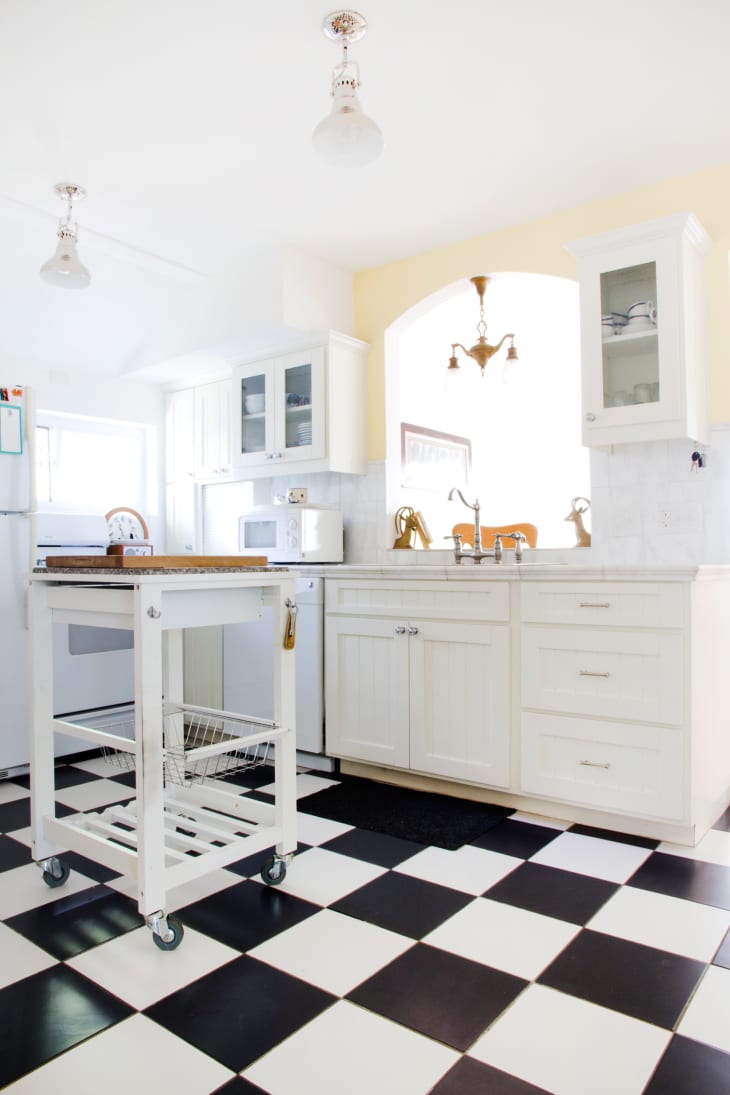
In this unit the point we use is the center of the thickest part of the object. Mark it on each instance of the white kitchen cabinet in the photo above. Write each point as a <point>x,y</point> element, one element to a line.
<point>417,680</point>
<point>304,410</point>
<point>181,518</point>
<point>645,379</point>
<point>212,431</point>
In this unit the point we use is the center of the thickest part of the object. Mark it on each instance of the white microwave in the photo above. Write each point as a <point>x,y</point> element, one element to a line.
<point>292,533</point>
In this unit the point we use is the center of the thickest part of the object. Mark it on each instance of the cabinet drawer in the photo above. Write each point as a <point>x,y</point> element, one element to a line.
<point>451,600</point>
<point>611,674</point>
<point>613,604</point>
<point>607,766</point>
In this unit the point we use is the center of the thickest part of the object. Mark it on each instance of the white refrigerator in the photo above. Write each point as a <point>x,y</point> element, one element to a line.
<point>16,504</point>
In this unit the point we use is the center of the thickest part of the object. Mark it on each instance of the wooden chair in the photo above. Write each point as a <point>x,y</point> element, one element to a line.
<point>489,531</point>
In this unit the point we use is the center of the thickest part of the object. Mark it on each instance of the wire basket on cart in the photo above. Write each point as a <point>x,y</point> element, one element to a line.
<point>199,743</point>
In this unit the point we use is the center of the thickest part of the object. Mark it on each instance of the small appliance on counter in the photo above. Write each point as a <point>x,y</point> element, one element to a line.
<point>293,533</point>
<point>128,532</point>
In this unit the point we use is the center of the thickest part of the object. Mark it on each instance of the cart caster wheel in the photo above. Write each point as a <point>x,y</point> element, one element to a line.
<point>173,925</point>
<point>58,873</point>
<point>273,871</point>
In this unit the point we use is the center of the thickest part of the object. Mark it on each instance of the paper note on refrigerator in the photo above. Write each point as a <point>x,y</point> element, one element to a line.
<point>11,433</point>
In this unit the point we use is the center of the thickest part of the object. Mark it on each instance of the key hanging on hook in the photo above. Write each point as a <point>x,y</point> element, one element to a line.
<point>290,634</point>
<point>698,460</point>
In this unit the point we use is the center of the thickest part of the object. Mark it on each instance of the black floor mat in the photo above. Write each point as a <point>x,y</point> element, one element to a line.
<point>420,816</point>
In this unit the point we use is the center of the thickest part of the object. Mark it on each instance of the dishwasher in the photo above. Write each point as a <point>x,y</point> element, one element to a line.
<point>247,670</point>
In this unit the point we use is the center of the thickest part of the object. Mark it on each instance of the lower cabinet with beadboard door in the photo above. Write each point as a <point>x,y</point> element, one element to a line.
<point>418,676</point>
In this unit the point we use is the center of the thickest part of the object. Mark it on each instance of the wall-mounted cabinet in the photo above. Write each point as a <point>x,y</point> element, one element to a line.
<point>643,342</point>
<point>212,431</point>
<point>303,410</point>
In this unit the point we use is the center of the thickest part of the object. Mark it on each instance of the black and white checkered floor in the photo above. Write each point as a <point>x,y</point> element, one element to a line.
<point>544,957</point>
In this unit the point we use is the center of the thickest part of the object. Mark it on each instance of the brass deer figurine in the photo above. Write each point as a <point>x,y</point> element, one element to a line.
<point>582,538</point>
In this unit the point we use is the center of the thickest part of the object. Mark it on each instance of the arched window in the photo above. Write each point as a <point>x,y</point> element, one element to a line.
<point>523,421</point>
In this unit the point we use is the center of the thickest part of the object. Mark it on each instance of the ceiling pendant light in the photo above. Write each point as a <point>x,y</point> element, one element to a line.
<point>346,137</point>
<point>481,351</point>
<point>65,269</point>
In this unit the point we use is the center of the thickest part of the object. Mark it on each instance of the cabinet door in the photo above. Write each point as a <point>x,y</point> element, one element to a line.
<point>300,406</point>
<point>460,701</point>
<point>642,332</point>
<point>253,414</point>
<point>212,431</point>
<point>180,517</point>
<point>179,433</point>
<point>366,673</point>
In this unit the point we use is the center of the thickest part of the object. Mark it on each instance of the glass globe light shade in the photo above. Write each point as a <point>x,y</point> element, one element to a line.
<point>347,137</point>
<point>65,269</point>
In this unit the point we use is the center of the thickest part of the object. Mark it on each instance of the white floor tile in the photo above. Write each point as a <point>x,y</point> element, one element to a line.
<point>323,877</point>
<point>714,847</point>
<point>178,896</point>
<point>307,784</point>
<point>669,923</point>
<point>318,830</point>
<point>507,938</point>
<point>332,951</point>
<point>607,859</point>
<point>19,957</point>
<point>571,1047</point>
<point>538,819</point>
<point>93,795</point>
<point>99,766</point>
<point>10,792</point>
<point>23,888</point>
<point>136,1055</point>
<point>707,1017</point>
<point>347,1048</point>
<point>471,870</point>
<point>134,969</point>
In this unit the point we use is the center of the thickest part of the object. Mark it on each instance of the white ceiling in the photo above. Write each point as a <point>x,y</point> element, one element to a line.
<point>189,125</point>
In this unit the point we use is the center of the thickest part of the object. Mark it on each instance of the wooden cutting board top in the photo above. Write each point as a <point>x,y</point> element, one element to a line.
<point>155,562</point>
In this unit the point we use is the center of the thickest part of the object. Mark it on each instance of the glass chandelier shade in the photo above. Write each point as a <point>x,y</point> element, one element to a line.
<point>346,137</point>
<point>64,269</point>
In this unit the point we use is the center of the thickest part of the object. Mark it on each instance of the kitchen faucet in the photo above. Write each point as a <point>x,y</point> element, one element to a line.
<point>477,553</point>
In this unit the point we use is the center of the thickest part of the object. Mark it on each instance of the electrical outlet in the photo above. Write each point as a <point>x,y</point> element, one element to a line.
<point>679,517</point>
<point>296,494</point>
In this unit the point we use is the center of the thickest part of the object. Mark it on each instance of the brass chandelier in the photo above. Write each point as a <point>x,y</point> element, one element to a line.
<point>481,351</point>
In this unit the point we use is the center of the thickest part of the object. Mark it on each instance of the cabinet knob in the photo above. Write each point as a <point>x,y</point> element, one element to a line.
<point>590,417</point>
<point>269,456</point>
<point>400,629</point>
<point>412,630</point>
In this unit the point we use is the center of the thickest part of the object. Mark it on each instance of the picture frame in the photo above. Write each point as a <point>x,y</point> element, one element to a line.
<point>431,460</point>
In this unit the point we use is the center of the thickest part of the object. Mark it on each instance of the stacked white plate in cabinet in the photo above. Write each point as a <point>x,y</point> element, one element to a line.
<point>304,433</point>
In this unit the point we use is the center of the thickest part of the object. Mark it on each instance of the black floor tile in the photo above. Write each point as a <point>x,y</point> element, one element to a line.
<point>517,838</point>
<point>252,864</point>
<point>16,815</point>
<point>75,923</point>
<point>47,1013</point>
<point>13,854</point>
<point>676,876</point>
<point>722,958</point>
<point>470,1077</point>
<point>564,895</point>
<point>244,915</point>
<point>441,995</point>
<point>403,904</point>
<point>645,982</point>
<point>65,775</point>
<point>239,1086</point>
<point>128,778</point>
<point>617,838</point>
<point>240,1011</point>
<point>88,867</point>
<point>251,777</point>
<point>385,851</point>
<point>690,1068</point>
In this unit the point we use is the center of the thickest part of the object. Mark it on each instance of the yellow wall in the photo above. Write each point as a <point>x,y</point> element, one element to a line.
<point>384,293</point>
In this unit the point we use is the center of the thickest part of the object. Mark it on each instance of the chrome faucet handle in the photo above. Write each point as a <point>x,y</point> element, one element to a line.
<point>519,538</point>
<point>498,547</point>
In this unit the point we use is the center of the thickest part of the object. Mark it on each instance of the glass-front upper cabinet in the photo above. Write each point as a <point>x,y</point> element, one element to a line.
<point>280,403</point>
<point>643,332</point>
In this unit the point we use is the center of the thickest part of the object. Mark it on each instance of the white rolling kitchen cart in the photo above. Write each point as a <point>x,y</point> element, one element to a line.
<point>183,821</point>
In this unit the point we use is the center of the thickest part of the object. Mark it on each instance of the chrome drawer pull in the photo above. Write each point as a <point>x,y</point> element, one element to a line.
<point>591,673</point>
<point>594,764</point>
<point>594,604</point>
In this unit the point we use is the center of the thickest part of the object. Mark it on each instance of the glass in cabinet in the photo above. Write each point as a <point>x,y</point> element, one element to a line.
<point>643,332</point>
